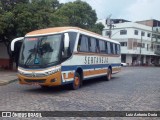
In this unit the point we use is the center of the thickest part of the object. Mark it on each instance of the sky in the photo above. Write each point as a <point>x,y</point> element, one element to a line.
<point>133,10</point>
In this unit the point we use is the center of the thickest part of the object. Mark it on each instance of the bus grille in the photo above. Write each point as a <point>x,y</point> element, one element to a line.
<point>34,75</point>
<point>34,81</point>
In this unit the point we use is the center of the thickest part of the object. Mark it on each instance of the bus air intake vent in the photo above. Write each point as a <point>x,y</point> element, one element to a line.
<point>34,81</point>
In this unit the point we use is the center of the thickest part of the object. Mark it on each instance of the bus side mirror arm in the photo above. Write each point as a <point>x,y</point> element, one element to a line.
<point>14,41</point>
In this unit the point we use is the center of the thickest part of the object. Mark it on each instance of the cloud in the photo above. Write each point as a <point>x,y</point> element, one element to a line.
<point>134,10</point>
<point>143,10</point>
<point>105,7</point>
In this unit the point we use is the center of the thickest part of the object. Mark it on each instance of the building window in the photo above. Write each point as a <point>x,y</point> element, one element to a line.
<point>158,47</point>
<point>149,35</point>
<point>147,47</point>
<point>154,36</point>
<point>123,43</point>
<point>139,45</point>
<point>123,32</point>
<point>142,33</point>
<point>136,32</point>
<point>134,44</point>
<point>142,45</point>
<point>108,33</point>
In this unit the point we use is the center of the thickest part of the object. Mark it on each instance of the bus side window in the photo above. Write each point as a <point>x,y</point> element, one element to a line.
<point>93,44</point>
<point>72,36</point>
<point>83,44</point>
<point>102,46</point>
<point>118,49</point>
<point>79,43</point>
<point>114,48</point>
<point>109,47</point>
<point>106,47</point>
<point>97,46</point>
<point>89,44</point>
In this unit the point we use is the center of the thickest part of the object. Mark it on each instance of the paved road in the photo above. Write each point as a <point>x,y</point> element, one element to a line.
<point>135,88</point>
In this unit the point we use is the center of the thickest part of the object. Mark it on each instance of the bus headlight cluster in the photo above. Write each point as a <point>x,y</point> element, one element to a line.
<point>38,74</point>
<point>20,72</point>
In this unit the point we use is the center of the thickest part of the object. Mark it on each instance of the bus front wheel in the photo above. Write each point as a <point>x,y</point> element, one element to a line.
<point>109,75</point>
<point>77,82</point>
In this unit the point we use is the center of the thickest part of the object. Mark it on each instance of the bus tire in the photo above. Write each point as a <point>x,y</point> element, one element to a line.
<point>76,82</point>
<point>109,74</point>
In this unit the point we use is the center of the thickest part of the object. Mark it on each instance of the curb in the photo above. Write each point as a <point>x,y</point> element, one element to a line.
<point>7,82</point>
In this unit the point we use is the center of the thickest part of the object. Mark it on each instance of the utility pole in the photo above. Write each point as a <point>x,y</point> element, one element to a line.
<point>140,52</point>
<point>109,24</point>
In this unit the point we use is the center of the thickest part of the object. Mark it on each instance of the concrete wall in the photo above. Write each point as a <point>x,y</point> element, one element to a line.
<point>4,58</point>
<point>3,51</point>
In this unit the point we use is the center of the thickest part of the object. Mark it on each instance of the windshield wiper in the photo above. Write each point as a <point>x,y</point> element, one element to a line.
<point>28,59</point>
<point>47,64</point>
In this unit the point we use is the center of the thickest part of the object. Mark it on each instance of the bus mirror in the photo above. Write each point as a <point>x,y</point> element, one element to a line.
<point>66,44</point>
<point>14,42</point>
<point>66,40</point>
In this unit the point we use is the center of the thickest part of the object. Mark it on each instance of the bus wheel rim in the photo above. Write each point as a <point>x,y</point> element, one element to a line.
<point>76,82</point>
<point>109,75</point>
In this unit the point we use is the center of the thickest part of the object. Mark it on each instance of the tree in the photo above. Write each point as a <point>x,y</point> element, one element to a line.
<point>78,14</point>
<point>35,15</point>
<point>17,17</point>
<point>97,28</point>
<point>8,5</point>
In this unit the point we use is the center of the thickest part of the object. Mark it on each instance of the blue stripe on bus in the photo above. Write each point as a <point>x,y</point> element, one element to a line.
<point>74,67</point>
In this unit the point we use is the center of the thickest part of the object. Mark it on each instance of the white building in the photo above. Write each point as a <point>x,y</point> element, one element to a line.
<point>140,41</point>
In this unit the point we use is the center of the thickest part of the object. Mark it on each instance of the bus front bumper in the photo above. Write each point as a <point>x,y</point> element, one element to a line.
<point>50,80</point>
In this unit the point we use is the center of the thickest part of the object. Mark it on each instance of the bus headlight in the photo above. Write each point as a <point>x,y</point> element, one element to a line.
<point>38,74</point>
<point>20,72</point>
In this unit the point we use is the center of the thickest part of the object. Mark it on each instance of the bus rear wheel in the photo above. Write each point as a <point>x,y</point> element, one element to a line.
<point>109,75</point>
<point>77,82</point>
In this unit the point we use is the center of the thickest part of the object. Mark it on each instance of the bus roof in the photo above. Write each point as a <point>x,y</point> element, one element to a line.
<point>55,30</point>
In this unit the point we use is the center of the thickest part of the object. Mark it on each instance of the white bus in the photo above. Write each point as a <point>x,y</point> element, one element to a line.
<point>66,55</point>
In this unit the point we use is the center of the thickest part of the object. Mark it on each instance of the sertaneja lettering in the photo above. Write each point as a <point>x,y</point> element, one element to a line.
<point>88,60</point>
<point>95,60</point>
<point>91,60</point>
<point>85,60</point>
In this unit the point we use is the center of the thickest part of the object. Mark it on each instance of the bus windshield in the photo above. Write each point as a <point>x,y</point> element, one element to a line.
<point>40,51</point>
